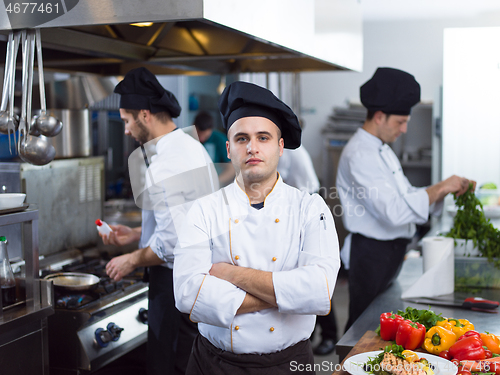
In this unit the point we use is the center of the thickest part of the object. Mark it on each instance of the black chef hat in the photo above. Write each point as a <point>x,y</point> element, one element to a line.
<point>391,91</point>
<point>141,90</point>
<point>243,99</point>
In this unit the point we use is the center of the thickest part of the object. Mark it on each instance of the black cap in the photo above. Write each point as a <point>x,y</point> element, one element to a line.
<point>141,90</point>
<point>243,99</point>
<point>391,91</point>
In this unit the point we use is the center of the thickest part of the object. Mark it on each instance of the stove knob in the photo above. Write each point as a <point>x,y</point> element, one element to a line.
<point>102,337</point>
<point>115,331</point>
<point>143,315</point>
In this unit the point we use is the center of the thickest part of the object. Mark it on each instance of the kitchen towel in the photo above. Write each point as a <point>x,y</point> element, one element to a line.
<point>439,269</point>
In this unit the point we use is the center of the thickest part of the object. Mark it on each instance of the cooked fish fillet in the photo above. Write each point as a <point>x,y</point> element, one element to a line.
<point>398,366</point>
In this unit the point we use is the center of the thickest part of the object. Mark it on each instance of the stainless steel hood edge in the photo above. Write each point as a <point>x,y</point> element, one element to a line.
<point>195,37</point>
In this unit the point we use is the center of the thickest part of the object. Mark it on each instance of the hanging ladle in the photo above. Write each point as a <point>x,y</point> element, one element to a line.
<point>34,150</point>
<point>43,124</point>
<point>4,115</point>
<point>13,118</point>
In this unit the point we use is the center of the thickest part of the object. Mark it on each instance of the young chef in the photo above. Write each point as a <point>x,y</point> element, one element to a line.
<point>257,260</point>
<point>381,208</point>
<point>147,110</point>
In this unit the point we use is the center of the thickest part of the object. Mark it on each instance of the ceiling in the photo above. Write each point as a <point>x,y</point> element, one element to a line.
<point>417,9</point>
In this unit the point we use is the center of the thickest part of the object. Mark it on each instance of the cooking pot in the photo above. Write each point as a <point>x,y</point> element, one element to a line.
<point>73,281</point>
<point>75,138</point>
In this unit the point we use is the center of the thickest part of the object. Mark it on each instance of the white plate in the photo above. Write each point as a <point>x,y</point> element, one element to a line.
<point>354,365</point>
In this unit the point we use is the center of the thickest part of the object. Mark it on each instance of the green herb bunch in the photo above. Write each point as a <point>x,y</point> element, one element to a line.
<point>471,224</point>
<point>426,317</point>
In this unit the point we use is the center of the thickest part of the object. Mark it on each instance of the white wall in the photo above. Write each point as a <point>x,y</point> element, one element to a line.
<point>470,106</point>
<point>415,46</point>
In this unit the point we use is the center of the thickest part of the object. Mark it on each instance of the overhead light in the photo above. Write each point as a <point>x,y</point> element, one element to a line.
<point>142,24</point>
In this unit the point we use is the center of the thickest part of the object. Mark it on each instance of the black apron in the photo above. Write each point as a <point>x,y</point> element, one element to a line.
<point>171,333</point>
<point>374,265</point>
<point>207,359</point>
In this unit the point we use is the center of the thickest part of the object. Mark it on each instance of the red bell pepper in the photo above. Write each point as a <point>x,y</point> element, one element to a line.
<point>389,324</point>
<point>470,334</point>
<point>468,348</point>
<point>410,335</point>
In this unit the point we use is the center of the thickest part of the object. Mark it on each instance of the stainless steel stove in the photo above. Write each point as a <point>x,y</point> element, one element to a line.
<point>92,329</point>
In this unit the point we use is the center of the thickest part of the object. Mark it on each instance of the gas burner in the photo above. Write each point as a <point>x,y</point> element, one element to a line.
<point>106,287</point>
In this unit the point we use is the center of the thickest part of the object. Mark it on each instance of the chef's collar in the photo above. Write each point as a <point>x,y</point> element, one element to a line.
<point>243,197</point>
<point>370,138</point>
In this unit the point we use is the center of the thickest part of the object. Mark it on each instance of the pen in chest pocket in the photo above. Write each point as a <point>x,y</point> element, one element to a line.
<point>323,219</point>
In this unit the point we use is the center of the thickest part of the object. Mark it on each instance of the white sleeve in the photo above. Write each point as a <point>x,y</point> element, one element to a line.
<point>206,298</point>
<point>308,289</point>
<point>381,196</point>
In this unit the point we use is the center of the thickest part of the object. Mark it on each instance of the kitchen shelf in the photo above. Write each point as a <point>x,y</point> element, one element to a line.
<point>38,298</point>
<point>23,326</point>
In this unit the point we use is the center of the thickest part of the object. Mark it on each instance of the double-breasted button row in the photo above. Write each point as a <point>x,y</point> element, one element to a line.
<point>238,327</point>
<point>274,259</point>
<point>236,221</point>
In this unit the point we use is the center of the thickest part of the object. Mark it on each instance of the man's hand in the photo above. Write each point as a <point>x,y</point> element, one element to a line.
<point>121,235</point>
<point>120,266</point>
<point>453,184</point>
<point>458,185</point>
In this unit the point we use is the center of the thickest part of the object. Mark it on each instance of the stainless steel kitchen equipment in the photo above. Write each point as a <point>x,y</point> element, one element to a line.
<point>75,138</point>
<point>73,281</point>
<point>92,328</point>
<point>23,325</point>
<point>69,194</point>
<point>198,36</point>
<point>69,203</point>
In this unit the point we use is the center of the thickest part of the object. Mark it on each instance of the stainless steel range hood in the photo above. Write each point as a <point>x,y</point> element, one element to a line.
<point>198,36</point>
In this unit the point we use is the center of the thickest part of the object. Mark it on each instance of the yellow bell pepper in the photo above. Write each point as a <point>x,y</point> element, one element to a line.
<point>438,339</point>
<point>457,326</point>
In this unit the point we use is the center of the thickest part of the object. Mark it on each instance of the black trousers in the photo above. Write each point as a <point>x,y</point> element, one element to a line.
<point>210,360</point>
<point>374,265</point>
<point>171,333</point>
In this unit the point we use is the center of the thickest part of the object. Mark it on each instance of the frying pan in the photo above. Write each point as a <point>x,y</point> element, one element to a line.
<point>73,281</point>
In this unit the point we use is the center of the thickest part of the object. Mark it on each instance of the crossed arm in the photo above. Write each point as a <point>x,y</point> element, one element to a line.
<point>258,285</point>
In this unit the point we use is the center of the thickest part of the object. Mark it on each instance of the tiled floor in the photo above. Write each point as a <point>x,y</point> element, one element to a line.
<point>325,365</point>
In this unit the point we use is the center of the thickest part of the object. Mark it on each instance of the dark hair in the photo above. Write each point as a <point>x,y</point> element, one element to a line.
<point>204,121</point>
<point>160,116</point>
<point>370,114</point>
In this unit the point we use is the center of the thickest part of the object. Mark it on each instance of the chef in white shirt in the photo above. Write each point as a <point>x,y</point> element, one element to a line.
<point>258,260</point>
<point>178,172</point>
<point>380,205</point>
<point>296,169</point>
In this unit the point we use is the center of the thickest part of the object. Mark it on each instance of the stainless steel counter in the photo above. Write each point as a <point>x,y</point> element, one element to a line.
<point>390,300</point>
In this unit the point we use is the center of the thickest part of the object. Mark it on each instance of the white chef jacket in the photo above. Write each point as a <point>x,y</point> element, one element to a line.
<point>378,200</point>
<point>296,169</point>
<point>293,236</point>
<point>180,172</point>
